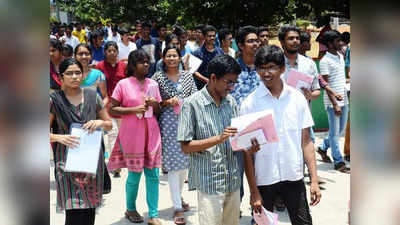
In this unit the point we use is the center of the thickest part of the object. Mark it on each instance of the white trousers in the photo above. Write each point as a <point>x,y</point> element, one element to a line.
<point>176,180</point>
<point>219,209</point>
<point>111,136</point>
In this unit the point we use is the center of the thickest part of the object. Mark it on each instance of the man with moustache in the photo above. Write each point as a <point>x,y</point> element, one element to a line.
<point>289,37</point>
<point>206,53</point>
<point>248,79</point>
<point>332,67</point>
<point>204,130</point>
<point>278,167</point>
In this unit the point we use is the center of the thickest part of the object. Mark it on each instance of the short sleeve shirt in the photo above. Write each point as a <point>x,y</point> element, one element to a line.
<point>215,170</point>
<point>206,56</point>
<point>333,66</point>
<point>123,50</point>
<point>282,160</point>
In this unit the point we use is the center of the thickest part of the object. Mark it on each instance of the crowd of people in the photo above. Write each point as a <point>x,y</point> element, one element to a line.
<point>156,114</point>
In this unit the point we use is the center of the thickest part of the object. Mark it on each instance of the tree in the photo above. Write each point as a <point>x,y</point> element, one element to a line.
<point>234,13</point>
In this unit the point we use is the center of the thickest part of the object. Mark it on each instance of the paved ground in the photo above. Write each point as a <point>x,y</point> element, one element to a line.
<point>332,209</point>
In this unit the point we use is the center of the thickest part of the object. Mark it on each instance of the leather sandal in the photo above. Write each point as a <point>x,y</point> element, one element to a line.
<point>179,218</point>
<point>134,217</point>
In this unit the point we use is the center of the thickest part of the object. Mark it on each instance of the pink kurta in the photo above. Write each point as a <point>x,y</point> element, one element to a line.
<point>129,149</point>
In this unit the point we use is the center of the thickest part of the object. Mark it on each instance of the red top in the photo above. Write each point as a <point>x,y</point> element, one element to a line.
<point>113,76</point>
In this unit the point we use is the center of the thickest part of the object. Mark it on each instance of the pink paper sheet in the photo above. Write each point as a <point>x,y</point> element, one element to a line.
<point>265,217</point>
<point>294,77</point>
<point>266,123</point>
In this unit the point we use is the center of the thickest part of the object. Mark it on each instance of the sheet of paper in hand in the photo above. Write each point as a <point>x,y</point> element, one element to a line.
<point>194,62</point>
<point>259,125</point>
<point>265,217</point>
<point>151,92</point>
<point>299,80</point>
<point>85,157</point>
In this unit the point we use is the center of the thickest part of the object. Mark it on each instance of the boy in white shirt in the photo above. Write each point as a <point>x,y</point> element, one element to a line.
<point>125,46</point>
<point>278,167</point>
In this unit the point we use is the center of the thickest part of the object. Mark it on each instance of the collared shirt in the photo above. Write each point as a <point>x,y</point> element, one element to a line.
<point>333,66</point>
<point>283,160</point>
<point>206,56</point>
<point>248,81</point>
<point>215,170</point>
<point>303,65</point>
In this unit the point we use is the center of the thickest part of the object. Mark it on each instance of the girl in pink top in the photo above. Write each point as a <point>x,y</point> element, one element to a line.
<point>138,146</point>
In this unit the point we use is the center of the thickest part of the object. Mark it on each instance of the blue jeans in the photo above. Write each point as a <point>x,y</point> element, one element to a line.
<point>336,126</point>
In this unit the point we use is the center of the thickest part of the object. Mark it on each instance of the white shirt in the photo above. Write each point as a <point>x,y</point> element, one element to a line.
<point>125,50</point>
<point>73,41</point>
<point>303,65</point>
<point>116,38</point>
<point>283,160</point>
<point>333,66</point>
<point>192,45</point>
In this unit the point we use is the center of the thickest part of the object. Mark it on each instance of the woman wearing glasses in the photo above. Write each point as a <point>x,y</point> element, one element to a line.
<point>175,85</point>
<point>79,194</point>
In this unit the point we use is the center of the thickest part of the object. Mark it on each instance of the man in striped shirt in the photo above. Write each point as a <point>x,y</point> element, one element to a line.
<point>332,69</point>
<point>204,130</point>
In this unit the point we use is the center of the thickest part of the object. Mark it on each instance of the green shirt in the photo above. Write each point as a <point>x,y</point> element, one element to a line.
<point>215,170</point>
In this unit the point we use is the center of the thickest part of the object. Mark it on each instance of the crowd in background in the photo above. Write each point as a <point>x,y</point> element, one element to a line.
<point>155,114</point>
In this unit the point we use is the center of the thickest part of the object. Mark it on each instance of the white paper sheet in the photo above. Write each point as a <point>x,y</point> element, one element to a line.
<point>194,62</point>
<point>85,157</point>
<point>244,141</point>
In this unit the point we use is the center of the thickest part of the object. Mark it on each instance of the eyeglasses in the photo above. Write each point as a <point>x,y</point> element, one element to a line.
<point>271,69</point>
<point>229,83</point>
<point>251,41</point>
<point>71,73</point>
<point>210,36</point>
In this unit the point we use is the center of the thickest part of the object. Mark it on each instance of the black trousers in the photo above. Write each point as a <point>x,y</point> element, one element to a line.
<point>80,216</point>
<point>294,196</point>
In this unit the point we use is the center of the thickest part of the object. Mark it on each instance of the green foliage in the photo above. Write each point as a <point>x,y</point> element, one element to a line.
<point>53,19</point>
<point>187,13</point>
<point>302,23</point>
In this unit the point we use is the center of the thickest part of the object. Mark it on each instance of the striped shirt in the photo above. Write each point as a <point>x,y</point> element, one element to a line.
<point>333,66</point>
<point>215,170</point>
